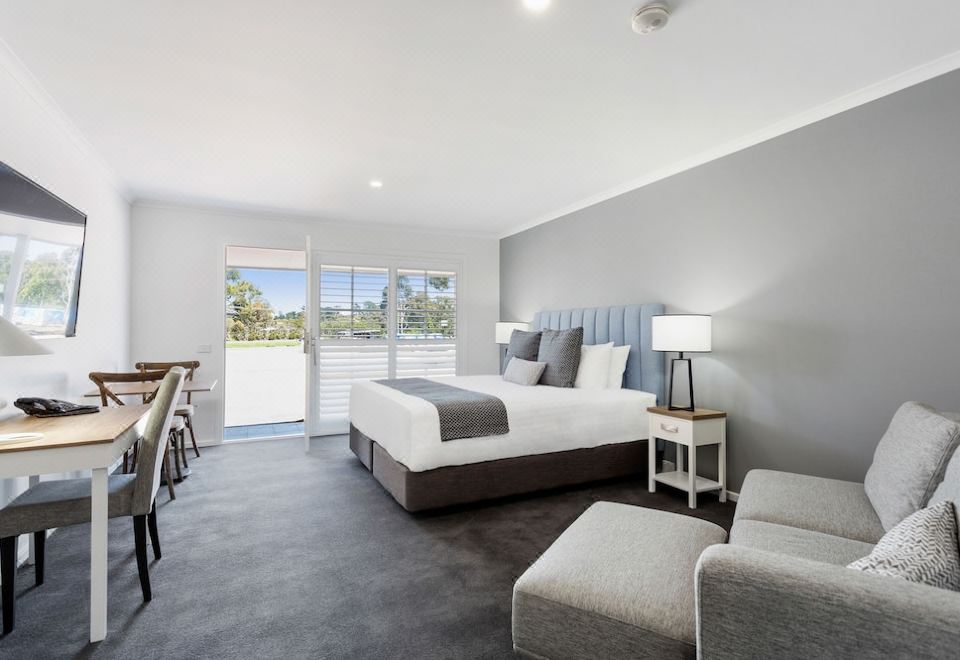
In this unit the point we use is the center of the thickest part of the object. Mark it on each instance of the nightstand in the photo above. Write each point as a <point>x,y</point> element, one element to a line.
<point>689,429</point>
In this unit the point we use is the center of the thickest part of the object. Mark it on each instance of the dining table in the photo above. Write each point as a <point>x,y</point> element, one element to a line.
<point>94,442</point>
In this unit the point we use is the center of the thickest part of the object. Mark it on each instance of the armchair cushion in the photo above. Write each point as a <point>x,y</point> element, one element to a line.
<point>910,461</point>
<point>797,542</point>
<point>829,506</point>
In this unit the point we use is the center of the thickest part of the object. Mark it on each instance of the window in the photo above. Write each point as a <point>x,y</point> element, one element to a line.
<point>381,322</point>
<point>353,302</point>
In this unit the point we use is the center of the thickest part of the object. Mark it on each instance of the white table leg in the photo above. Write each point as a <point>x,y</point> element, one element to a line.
<point>679,457</point>
<point>692,460</point>
<point>98,555</point>
<point>722,463</point>
<point>32,556</point>
<point>652,463</point>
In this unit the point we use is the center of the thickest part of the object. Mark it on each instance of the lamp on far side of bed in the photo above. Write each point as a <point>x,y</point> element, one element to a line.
<point>503,332</point>
<point>682,333</point>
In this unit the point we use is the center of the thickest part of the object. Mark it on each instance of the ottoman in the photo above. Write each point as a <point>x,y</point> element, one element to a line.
<point>618,583</point>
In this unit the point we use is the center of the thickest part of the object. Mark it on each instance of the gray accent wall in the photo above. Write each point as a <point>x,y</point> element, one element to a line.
<point>829,258</point>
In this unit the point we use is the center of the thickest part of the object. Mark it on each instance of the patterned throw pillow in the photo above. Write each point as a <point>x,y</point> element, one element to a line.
<point>560,349</point>
<point>922,548</point>
<point>524,345</point>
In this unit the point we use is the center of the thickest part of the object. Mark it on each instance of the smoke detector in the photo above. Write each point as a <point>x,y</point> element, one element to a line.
<point>650,18</point>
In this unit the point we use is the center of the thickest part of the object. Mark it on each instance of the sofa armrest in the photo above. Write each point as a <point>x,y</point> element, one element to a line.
<point>757,604</point>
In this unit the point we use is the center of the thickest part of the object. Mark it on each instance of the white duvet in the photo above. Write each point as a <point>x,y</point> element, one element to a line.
<point>542,419</point>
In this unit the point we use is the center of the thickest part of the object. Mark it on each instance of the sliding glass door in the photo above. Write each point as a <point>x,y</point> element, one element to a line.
<point>377,317</point>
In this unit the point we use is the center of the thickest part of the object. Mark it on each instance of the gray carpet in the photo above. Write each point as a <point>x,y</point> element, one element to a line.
<point>272,553</point>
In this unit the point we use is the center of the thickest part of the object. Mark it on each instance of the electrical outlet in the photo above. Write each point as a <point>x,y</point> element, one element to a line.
<point>204,348</point>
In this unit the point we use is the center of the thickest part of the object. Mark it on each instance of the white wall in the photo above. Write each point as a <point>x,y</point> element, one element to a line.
<point>35,140</point>
<point>178,283</point>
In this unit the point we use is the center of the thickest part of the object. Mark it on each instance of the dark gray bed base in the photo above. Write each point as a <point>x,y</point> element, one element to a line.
<point>460,484</point>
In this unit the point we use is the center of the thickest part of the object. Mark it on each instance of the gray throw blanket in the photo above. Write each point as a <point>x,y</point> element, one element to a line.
<point>463,413</point>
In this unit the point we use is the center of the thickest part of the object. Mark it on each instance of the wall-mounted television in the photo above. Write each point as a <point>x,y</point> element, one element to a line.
<point>41,253</point>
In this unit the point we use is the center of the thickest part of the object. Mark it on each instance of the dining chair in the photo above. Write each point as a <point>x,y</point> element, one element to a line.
<point>63,502</point>
<point>103,380</point>
<point>185,410</point>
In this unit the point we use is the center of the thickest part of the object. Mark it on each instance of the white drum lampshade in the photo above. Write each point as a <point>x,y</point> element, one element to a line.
<point>682,333</point>
<point>504,330</point>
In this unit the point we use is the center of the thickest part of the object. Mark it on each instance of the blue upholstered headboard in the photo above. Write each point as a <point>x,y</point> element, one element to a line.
<point>629,324</point>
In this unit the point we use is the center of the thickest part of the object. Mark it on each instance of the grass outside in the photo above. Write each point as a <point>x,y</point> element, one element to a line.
<point>266,343</point>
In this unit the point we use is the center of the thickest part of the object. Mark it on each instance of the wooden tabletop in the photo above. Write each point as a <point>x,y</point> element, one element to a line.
<point>73,430</point>
<point>148,387</point>
<point>699,413</point>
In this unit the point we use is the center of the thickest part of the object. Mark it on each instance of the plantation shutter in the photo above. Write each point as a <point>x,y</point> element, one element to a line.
<point>379,322</point>
<point>353,342</point>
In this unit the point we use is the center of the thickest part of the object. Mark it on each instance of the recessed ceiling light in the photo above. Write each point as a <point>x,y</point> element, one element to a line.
<point>536,5</point>
<point>376,183</point>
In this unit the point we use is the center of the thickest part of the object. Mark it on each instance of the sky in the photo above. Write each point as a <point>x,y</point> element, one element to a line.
<point>285,290</point>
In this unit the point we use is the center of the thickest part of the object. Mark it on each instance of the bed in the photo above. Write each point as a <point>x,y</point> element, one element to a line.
<point>556,437</point>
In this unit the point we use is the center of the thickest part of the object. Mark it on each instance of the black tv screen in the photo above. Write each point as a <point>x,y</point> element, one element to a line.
<point>41,253</point>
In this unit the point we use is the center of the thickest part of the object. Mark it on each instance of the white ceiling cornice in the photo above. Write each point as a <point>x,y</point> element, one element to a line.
<point>285,216</point>
<point>860,97</point>
<point>18,71</point>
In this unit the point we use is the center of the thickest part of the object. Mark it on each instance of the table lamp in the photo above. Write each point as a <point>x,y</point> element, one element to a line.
<point>682,333</point>
<point>14,342</point>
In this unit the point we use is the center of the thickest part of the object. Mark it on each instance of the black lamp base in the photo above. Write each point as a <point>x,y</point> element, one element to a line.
<point>673,363</point>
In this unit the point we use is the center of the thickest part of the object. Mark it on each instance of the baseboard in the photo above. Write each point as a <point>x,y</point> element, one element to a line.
<point>732,496</point>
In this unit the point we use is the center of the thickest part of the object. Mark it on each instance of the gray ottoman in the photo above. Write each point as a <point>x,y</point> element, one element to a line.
<point>618,583</point>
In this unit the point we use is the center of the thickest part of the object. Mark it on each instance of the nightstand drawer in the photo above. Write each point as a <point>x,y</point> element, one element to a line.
<point>671,428</point>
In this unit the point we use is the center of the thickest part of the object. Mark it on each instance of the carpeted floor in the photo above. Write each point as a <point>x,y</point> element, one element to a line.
<point>272,553</point>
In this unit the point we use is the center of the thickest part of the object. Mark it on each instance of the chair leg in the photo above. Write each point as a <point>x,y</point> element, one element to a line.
<point>183,447</point>
<point>165,469</point>
<point>188,420</point>
<point>152,528</point>
<point>126,458</point>
<point>140,540</point>
<point>136,453</point>
<point>176,455</point>
<point>39,543</point>
<point>8,572</point>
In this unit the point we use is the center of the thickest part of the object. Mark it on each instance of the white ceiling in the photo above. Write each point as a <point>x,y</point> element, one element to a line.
<point>476,114</point>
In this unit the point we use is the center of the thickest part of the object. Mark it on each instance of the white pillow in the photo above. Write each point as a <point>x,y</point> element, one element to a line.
<point>523,372</point>
<point>618,365</point>
<point>594,367</point>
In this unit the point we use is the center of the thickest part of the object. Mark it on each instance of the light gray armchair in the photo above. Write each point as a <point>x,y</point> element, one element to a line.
<point>64,502</point>
<point>757,604</point>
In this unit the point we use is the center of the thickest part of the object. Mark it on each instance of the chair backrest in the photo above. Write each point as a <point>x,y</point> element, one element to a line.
<point>154,441</point>
<point>190,365</point>
<point>103,380</point>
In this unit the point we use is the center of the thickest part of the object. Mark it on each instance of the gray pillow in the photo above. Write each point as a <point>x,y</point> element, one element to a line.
<point>560,349</point>
<point>523,372</point>
<point>524,345</point>
<point>922,548</point>
<point>910,461</point>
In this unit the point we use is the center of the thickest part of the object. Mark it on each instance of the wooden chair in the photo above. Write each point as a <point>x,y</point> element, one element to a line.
<point>103,380</point>
<point>184,410</point>
<point>64,502</point>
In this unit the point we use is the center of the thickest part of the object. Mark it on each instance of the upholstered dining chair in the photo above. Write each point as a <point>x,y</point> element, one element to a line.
<point>103,380</point>
<point>184,410</point>
<point>64,502</point>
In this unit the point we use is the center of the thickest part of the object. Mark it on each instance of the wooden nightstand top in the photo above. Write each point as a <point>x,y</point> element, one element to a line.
<point>699,413</point>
